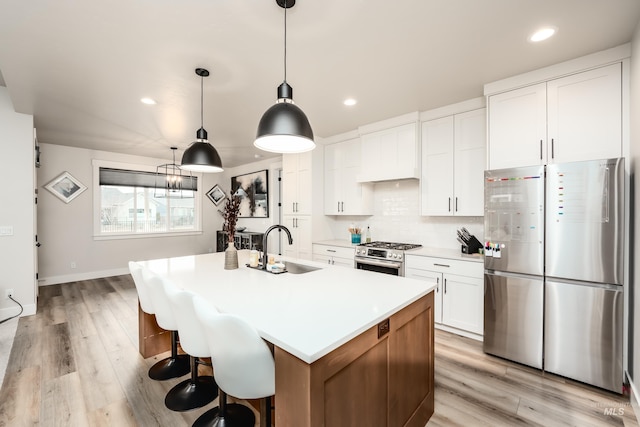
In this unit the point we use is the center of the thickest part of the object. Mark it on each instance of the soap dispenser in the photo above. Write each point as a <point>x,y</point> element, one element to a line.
<point>254,258</point>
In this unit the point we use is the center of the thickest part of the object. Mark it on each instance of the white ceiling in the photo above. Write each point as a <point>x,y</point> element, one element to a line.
<point>81,67</point>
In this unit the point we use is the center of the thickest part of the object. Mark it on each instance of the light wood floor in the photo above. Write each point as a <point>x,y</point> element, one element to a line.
<point>76,363</point>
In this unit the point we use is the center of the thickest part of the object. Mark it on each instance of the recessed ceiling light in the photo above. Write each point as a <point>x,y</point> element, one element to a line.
<point>148,101</point>
<point>542,34</point>
<point>350,101</point>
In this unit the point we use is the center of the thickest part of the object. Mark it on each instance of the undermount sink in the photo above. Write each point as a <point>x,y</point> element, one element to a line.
<point>294,268</point>
<point>291,267</point>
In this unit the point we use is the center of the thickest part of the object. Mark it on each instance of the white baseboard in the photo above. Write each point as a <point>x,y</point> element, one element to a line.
<point>28,310</point>
<point>54,280</point>
<point>457,331</point>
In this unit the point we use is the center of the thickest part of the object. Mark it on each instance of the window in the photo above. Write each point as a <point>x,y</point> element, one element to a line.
<point>134,202</point>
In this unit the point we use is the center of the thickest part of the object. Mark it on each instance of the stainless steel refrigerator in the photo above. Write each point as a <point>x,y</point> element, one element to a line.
<point>554,268</point>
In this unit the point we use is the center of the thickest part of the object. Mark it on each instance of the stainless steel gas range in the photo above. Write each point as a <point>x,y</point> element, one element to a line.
<point>382,257</point>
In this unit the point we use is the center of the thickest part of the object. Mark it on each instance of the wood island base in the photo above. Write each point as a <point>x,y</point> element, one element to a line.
<point>372,380</point>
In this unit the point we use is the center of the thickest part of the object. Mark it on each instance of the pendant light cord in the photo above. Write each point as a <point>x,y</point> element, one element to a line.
<point>285,40</point>
<point>201,102</point>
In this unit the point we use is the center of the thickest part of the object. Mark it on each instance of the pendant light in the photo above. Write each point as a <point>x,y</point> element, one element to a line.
<point>170,180</point>
<point>284,128</point>
<point>201,156</point>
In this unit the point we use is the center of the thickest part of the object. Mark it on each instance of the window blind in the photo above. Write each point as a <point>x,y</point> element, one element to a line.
<point>129,178</point>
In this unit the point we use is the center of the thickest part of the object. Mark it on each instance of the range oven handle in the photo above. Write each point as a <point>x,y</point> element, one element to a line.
<point>378,263</point>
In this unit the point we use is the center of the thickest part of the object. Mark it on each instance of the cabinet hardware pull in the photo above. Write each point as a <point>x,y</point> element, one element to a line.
<point>437,284</point>
<point>445,286</point>
<point>540,149</point>
<point>342,205</point>
<point>449,204</point>
<point>553,156</point>
<point>456,204</point>
<point>330,250</point>
<point>338,206</point>
<point>441,265</point>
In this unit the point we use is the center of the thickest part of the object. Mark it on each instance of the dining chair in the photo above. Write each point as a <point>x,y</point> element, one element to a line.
<point>175,365</point>
<point>243,367</point>
<point>196,391</point>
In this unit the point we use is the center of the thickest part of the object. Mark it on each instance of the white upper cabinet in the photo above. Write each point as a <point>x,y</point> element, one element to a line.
<point>296,183</point>
<point>343,195</point>
<point>390,153</point>
<point>437,167</point>
<point>518,127</point>
<point>453,162</point>
<point>585,115</point>
<point>572,118</point>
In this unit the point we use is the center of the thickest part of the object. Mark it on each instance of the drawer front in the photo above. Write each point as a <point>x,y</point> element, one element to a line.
<point>334,251</point>
<point>445,265</point>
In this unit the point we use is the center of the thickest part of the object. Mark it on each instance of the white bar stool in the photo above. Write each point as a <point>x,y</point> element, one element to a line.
<point>242,364</point>
<point>175,365</point>
<point>196,391</point>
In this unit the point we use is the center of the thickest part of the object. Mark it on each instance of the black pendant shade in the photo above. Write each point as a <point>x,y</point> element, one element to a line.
<point>201,156</point>
<point>284,128</point>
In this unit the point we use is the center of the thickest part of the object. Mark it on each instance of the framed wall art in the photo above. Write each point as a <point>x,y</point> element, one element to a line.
<point>65,187</point>
<point>216,195</point>
<point>253,189</point>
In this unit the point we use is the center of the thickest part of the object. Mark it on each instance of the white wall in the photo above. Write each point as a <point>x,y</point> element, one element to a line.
<point>66,230</point>
<point>396,218</point>
<point>17,209</point>
<point>634,256</point>
<point>214,221</point>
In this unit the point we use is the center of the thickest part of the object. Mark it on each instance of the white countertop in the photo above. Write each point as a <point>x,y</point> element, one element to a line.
<point>444,253</point>
<point>341,243</point>
<point>308,315</point>
<point>430,252</point>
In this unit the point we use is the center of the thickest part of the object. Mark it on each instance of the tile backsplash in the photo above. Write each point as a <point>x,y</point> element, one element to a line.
<point>396,218</point>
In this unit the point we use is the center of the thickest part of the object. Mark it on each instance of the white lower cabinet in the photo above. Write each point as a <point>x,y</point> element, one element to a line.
<point>459,290</point>
<point>300,228</point>
<point>333,255</point>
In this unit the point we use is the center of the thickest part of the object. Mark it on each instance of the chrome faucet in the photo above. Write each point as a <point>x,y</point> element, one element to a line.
<point>264,242</point>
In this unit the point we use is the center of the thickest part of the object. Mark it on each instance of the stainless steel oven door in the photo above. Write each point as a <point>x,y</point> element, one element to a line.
<point>380,266</point>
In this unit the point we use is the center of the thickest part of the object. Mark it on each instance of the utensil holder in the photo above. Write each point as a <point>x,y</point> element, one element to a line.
<point>356,238</point>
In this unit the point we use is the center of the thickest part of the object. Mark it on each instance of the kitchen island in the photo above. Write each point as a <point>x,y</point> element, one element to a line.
<point>351,347</point>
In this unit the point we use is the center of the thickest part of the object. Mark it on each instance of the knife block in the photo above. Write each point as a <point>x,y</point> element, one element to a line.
<point>472,247</point>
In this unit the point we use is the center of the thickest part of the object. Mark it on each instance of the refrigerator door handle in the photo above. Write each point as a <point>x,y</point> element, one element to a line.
<point>605,286</point>
<point>606,195</point>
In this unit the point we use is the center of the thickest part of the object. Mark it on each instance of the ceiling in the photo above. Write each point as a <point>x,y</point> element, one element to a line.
<point>81,67</point>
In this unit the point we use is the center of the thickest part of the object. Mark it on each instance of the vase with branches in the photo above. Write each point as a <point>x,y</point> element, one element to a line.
<point>230,214</point>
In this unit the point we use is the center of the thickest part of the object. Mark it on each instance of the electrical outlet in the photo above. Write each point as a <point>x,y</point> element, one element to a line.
<point>73,264</point>
<point>8,293</point>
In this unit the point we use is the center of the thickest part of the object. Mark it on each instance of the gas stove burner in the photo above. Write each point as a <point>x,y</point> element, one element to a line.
<point>391,245</point>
